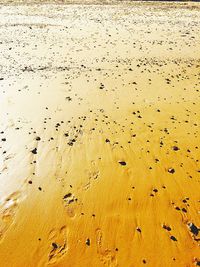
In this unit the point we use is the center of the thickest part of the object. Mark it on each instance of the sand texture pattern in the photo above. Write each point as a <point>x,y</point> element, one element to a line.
<point>99,135</point>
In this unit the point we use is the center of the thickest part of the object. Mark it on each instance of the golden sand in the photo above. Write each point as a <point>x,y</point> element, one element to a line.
<point>99,135</point>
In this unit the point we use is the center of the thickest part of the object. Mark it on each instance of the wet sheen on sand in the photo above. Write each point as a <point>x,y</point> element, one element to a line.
<point>99,135</point>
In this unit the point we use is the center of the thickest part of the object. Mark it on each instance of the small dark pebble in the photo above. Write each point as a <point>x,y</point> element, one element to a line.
<point>171,170</point>
<point>166,227</point>
<point>34,151</point>
<point>67,195</point>
<point>173,238</point>
<point>55,246</point>
<point>198,263</point>
<point>87,242</point>
<point>175,148</point>
<point>123,163</point>
<point>193,228</point>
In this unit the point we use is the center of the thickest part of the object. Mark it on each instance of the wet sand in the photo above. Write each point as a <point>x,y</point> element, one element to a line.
<point>99,135</point>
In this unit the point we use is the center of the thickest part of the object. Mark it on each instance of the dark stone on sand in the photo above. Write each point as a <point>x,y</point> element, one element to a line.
<point>198,263</point>
<point>123,163</point>
<point>166,227</point>
<point>54,245</point>
<point>67,195</point>
<point>175,148</point>
<point>87,242</point>
<point>34,151</point>
<point>193,228</point>
<point>171,170</point>
<point>173,238</point>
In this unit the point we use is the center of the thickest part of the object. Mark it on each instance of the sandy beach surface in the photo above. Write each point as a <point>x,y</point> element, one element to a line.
<point>99,134</point>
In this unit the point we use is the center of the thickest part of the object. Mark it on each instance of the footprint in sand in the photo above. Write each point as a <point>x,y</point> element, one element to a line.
<point>107,256</point>
<point>92,175</point>
<point>58,244</point>
<point>8,209</point>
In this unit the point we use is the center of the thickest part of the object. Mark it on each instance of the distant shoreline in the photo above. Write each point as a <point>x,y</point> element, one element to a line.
<point>94,2</point>
<point>167,4</point>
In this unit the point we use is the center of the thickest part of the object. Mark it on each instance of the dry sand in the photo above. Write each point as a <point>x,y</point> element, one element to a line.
<point>99,135</point>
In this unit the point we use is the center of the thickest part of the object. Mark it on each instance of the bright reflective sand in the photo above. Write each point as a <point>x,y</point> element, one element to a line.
<point>99,143</point>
